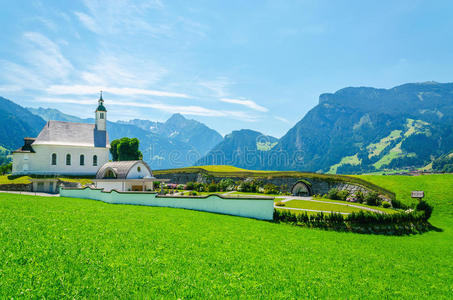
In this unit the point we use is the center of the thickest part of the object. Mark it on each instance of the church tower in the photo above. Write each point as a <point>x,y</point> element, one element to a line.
<point>101,115</point>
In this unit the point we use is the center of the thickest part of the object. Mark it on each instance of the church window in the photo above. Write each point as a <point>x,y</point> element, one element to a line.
<point>95,160</point>
<point>139,169</point>
<point>68,159</point>
<point>54,159</point>
<point>102,115</point>
<point>82,160</point>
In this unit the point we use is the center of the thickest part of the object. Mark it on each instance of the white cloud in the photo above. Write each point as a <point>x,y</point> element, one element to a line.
<point>121,16</point>
<point>248,103</point>
<point>89,89</point>
<point>88,22</point>
<point>193,110</point>
<point>281,119</point>
<point>46,56</point>
<point>218,87</point>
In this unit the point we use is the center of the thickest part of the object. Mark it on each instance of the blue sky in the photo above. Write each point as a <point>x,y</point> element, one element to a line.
<point>230,64</point>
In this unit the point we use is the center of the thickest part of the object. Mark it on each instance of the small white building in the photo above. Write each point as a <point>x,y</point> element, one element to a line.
<point>65,148</point>
<point>122,176</point>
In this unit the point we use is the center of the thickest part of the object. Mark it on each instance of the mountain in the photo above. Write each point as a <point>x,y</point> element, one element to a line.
<point>176,143</point>
<point>54,114</point>
<point>16,123</point>
<point>243,148</point>
<point>178,128</point>
<point>365,129</point>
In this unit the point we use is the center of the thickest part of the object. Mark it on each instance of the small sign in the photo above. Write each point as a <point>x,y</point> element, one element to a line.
<point>417,194</point>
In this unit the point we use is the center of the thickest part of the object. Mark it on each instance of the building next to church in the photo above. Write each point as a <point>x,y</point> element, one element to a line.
<point>123,176</point>
<point>65,148</point>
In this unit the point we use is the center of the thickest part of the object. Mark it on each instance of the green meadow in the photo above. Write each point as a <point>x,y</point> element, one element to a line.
<point>74,248</point>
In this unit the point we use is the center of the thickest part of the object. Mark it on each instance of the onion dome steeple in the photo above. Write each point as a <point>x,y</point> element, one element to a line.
<point>101,106</point>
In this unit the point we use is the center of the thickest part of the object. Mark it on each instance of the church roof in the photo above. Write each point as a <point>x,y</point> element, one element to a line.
<point>120,168</point>
<point>72,134</point>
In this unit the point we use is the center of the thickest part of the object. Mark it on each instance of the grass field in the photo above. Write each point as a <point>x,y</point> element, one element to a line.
<point>26,179</point>
<point>332,206</point>
<point>74,248</point>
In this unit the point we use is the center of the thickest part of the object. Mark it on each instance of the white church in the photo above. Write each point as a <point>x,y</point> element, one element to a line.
<point>65,148</point>
<point>79,149</point>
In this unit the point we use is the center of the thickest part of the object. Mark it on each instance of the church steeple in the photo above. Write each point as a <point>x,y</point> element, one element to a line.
<point>101,114</point>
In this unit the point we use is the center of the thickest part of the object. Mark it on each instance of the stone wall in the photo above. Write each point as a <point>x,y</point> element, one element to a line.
<point>22,187</point>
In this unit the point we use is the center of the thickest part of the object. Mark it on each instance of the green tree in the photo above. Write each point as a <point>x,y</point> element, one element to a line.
<point>125,149</point>
<point>6,168</point>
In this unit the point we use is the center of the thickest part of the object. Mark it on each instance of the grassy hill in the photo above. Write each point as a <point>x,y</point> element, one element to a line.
<point>74,248</point>
<point>231,171</point>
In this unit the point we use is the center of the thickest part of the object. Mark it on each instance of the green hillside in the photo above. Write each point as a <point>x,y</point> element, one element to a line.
<point>74,248</point>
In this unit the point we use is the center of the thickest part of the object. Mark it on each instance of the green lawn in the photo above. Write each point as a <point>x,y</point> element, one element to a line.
<point>74,248</point>
<point>321,206</point>
<point>5,180</point>
<point>26,179</point>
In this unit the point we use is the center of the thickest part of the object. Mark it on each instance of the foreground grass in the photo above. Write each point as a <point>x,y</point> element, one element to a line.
<point>74,248</point>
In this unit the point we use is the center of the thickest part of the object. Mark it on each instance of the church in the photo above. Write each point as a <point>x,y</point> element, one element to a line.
<point>65,148</point>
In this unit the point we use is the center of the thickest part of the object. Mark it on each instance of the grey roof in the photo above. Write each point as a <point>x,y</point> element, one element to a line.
<point>121,168</point>
<point>74,134</point>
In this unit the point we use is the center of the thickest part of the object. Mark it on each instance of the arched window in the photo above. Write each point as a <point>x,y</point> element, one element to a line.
<point>54,159</point>
<point>82,159</point>
<point>139,169</point>
<point>110,174</point>
<point>95,160</point>
<point>68,159</point>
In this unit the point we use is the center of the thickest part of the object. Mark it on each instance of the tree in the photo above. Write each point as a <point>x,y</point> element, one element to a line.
<point>125,149</point>
<point>6,168</point>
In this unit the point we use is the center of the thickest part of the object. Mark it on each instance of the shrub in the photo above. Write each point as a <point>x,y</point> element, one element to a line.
<point>280,203</point>
<point>343,195</point>
<point>372,198</point>
<point>333,194</point>
<point>397,204</point>
<point>385,204</point>
<point>212,187</point>
<point>226,184</point>
<point>271,189</point>
<point>248,187</point>
<point>359,196</point>
<point>425,208</point>
<point>193,193</point>
<point>156,184</point>
<point>190,185</point>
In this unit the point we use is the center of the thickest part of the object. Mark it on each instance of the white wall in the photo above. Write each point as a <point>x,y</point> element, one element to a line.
<point>40,162</point>
<point>135,174</point>
<point>110,185</point>
<point>251,208</point>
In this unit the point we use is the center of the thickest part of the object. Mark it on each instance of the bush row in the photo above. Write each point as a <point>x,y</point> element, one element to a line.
<point>366,222</point>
